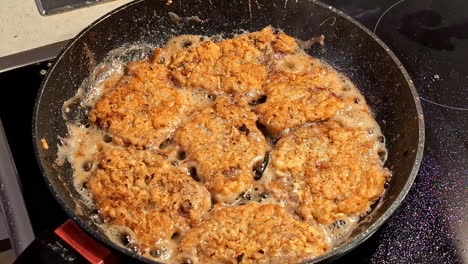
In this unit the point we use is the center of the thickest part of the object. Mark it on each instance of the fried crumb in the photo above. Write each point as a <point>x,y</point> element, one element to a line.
<point>44,144</point>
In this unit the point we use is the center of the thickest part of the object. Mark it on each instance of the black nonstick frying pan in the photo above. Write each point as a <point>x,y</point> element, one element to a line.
<point>350,48</point>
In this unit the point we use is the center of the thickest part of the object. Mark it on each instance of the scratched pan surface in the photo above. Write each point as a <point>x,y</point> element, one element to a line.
<point>349,47</point>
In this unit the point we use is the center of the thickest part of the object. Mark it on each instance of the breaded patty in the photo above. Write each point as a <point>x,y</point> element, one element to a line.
<point>327,171</point>
<point>315,70</point>
<point>226,144</point>
<point>140,190</point>
<point>252,233</point>
<point>293,100</point>
<point>300,89</point>
<point>235,66</point>
<point>145,106</point>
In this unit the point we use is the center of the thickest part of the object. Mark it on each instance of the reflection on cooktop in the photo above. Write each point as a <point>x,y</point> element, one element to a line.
<point>425,27</point>
<point>431,40</point>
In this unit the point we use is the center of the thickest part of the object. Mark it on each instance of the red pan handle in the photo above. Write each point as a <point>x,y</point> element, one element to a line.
<point>91,250</point>
<point>67,244</point>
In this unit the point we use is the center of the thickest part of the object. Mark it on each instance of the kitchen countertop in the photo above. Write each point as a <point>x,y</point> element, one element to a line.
<point>23,28</point>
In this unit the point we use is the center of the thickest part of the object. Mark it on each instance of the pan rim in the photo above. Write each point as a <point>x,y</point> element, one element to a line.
<point>337,251</point>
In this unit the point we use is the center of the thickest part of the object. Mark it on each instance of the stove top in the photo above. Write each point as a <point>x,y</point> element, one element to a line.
<point>430,37</point>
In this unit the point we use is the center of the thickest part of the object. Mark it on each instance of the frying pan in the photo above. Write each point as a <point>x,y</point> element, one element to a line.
<point>350,48</point>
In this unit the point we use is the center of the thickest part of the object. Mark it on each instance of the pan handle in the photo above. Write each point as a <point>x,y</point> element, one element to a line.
<point>67,244</point>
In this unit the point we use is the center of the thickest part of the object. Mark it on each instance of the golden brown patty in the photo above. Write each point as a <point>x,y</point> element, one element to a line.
<point>233,66</point>
<point>226,144</point>
<point>293,100</point>
<point>316,71</point>
<point>145,107</point>
<point>327,171</point>
<point>252,233</point>
<point>142,191</point>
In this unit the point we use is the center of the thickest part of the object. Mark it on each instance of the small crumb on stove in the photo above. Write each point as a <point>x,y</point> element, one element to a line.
<point>44,144</point>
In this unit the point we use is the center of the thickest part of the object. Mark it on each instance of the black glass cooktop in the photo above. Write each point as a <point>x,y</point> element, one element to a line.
<point>431,40</point>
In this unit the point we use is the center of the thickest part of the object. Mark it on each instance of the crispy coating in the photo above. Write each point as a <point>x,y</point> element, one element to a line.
<point>252,233</point>
<point>327,171</point>
<point>140,190</point>
<point>316,71</point>
<point>293,100</point>
<point>225,143</point>
<point>300,89</point>
<point>145,107</point>
<point>232,66</point>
